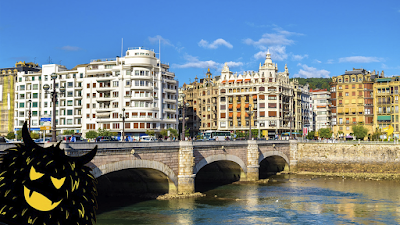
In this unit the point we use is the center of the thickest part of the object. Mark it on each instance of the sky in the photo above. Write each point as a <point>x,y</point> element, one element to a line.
<point>314,38</point>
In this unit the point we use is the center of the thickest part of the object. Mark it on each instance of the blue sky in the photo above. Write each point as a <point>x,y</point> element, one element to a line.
<point>314,38</point>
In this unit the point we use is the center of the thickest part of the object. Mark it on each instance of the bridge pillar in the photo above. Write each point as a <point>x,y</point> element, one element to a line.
<point>252,161</point>
<point>186,164</point>
<point>293,155</point>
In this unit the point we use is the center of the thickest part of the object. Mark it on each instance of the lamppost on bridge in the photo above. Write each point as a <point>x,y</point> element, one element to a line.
<point>291,118</point>
<point>123,124</point>
<point>29,115</point>
<point>183,105</point>
<point>53,93</point>
<point>250,113</point>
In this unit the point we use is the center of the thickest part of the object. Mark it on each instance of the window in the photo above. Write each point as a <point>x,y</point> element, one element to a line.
<point>69,113</point>
<point>70,94</point>
<point>115,84</point>
<point>70,84</point>
<point>69,103</point>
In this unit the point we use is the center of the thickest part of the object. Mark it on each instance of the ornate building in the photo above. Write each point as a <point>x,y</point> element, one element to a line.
<point>7,81</point>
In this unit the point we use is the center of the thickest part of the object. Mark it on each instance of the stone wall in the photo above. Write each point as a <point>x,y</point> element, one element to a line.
<point>346,158</point>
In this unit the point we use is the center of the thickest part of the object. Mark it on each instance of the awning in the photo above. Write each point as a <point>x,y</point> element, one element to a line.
<point>262,97</point>
<point>231,81</point>
<point>247,80</point>
<point>239,80</point>
<point>384,118</point>
<point>346,110</point>
<point>230,114</point>
<point>238,114</point>
<point>254,96</point>
<point>383,80</point>
<point>246,105</point>
<point>238,106</point>
<point>103,115</point>
<point>246,114</point>
<point>224,81</point>
<point>230,106</point>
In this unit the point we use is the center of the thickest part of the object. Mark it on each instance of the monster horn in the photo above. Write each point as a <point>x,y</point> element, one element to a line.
<point>27,137</point>
<point>87,157</point>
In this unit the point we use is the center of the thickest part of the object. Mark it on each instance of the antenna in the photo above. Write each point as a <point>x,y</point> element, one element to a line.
<point>122,46</point>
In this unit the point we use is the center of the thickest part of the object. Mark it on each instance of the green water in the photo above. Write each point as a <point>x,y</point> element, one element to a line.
<point>286,199</point>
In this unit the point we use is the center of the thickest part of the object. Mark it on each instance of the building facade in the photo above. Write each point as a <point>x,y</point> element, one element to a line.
<point>7,94</point>
<point>137,88</point>
<point>352,101</point>
<point>321,109</point>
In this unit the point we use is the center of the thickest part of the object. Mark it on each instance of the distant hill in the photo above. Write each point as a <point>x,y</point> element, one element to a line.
<point>315,83</point>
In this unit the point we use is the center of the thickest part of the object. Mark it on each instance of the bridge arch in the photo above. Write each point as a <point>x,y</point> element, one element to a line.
<point>267,154</point>
<point>220,157</point>
<point>135,164</point>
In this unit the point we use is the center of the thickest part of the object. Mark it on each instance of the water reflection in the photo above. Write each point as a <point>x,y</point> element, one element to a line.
<point>284,200</point>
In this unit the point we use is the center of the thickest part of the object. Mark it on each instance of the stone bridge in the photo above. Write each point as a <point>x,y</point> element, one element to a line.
<point>176,166</point>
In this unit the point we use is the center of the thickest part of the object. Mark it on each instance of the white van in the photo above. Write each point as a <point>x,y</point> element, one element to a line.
<point>147,138</point>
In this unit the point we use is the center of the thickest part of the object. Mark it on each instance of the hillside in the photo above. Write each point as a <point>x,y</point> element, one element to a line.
<point>315,83</point>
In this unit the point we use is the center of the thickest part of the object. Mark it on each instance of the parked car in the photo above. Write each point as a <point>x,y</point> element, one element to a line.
<point>105,138</point>
<point>70,138</point>
<point>40,140</point>
<point>147,138</point>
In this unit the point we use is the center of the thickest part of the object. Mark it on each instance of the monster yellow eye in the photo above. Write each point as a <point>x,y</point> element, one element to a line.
<point>57,182</point>
<point>33,175</point>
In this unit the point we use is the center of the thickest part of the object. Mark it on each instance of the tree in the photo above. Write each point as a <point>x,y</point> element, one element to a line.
<point>91,134</point>
<point>325,133</point>
<point>187,132</point>
<point>376,135</point>
<point>19,134</point>
<point>164,133</point>
<point>10,135</point>
<point>34,135</point>
<point>360,131</point>
<point>68,132</point>
<point>310,135</point>
<point>150,132</point>
<point>104,132</point>
<point>254,133</point>
<point>173,132</point>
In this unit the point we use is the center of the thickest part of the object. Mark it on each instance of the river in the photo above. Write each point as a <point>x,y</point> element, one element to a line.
<point>285,199</point>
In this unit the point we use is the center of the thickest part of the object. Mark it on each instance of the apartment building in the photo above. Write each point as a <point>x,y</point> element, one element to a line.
<point>99,94</point>
<point>321,109</point>
<point>386,101</point>
<point>352,101</point>
<point>7,81</point>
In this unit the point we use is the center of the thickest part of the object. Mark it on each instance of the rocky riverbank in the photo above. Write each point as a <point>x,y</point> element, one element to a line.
<point>177,196</point>
<point>366,176</point>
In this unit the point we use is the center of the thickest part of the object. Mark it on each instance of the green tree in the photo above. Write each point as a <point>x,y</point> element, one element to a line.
<point>91,134</point>
<point>150,132</point>
<point>164,133</point>
<point>10,135</point>
<point>19,134</point>
<point>173,132</point>
<point>310,135</point>
<point>325,133</point>
<point>34,135</point>
<point>68,132</point>
<point>104,132</point>
<point>376,135</point>
<point>187,132</point>
<point>254,133</point>
<point>360,131</point>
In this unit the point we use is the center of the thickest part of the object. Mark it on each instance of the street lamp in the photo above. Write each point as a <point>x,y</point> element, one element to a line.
<point>46,87</point>
<point>29,114</point>
<point>184,105</point>
<point>250,112</point>
<point>290,117</point>
<point>123,123</point>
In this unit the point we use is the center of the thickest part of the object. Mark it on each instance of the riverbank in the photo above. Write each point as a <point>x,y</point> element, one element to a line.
<point>178,196</point>
<point>365,176</point>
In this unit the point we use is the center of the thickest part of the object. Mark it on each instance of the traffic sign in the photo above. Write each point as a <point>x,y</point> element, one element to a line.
<point>45,128</point>
<point>45,119</point>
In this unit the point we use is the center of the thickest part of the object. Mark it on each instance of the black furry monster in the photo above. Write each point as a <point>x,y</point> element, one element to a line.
<point>44,186</point>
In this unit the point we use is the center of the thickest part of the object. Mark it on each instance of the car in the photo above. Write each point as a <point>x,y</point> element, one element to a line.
<point>105,138</point>
<point>40,140</point>
<point>147,139</point>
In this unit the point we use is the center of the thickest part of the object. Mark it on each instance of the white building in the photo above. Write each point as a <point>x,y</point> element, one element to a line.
<point>320,102</point>
<point>97,94</point>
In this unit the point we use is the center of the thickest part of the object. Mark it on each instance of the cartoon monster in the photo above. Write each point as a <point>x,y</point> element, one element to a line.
<point>44,186</point>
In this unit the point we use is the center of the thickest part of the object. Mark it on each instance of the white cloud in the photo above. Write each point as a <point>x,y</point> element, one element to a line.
<point>299,57</point>
<point>154,40</point>
<point>203,43</point>
<point>70,48</point>
<point>330,61</point>
<point>269,39</point>
<point>278,53</point>
<point>194,62</point>
<point>317,61</point>
<point>360,59</point>
<point>308,72</point>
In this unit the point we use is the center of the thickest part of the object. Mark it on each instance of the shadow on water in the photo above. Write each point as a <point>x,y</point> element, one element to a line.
<point>126,187</point>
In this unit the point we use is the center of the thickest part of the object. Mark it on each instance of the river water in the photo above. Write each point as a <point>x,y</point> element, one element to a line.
<point>285,199</point>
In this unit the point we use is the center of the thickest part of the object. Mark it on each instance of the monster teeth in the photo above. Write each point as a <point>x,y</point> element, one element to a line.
<point>30,193</point>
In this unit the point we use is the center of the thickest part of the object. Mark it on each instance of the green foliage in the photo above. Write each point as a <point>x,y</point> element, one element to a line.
<point>360,131</point>
<point>10,135</point>
<point>254,133</point>
<point>104,132</point>
<point>19,134</point>
<point>315,83</point>
<point>325,133</point>
<point>164,132</point>
<point>310,135</point>
<point>187,130</point>
<point>91,134</point>
<point>68,132</point>
<point>35,135</point>
<point>375,136</point>
<point>150,132</point>
<point>173,132</point>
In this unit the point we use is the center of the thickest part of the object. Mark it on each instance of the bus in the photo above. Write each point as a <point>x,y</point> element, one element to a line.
<point>217,135</point>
